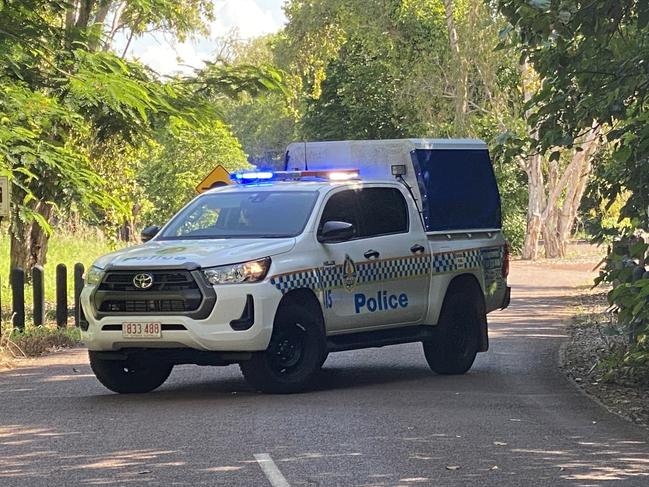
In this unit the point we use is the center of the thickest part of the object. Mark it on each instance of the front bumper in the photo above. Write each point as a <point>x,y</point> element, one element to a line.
<point>213,333</point>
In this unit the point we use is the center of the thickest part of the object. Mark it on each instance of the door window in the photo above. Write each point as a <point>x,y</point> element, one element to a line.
<point>383,211</point>
<point>341,207</point>
<point>372,211</point>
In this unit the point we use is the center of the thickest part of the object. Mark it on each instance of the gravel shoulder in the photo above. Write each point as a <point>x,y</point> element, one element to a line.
<point>587,346</point>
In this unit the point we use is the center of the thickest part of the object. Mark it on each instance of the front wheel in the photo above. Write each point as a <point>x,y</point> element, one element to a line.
<point>129,376</point>
<point>455,344</point>
<point>293,357</point>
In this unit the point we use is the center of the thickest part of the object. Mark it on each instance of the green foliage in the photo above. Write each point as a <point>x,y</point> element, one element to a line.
<point>360,100</point>
<point>177,17</point>
<point>592,57</point>
<point>75,118</point>
<point>184,155</point>
<point>629,298</point>
<point>385,70</point>
<point>41,163</point>
<point>264,124</point>
<point>264,127</point>
<point>68,245</point>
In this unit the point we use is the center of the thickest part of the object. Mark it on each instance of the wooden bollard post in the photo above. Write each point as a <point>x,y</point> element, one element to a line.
<point>18,298</point>
<point>78,286</point>
<point>61,296</point>
<point>38,283</point>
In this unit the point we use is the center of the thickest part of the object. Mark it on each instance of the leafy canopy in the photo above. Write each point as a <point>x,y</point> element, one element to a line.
<point>594,61</point>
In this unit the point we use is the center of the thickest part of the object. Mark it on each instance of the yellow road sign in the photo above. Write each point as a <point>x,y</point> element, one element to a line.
<point>218,177</point>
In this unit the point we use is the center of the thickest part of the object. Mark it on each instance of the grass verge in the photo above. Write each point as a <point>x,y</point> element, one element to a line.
<point>64,248</point>
<point>34,342</point>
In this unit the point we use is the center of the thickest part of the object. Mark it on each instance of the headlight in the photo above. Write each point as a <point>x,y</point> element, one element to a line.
<point>94,275</point>
<point>253,271</point>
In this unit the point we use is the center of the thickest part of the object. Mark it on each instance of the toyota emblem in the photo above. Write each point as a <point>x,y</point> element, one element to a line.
<point>143,281</point>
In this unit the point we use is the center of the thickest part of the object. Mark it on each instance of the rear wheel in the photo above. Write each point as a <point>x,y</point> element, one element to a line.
<point>457,335</point>
<point>129,376</point>
<point>294,355</point>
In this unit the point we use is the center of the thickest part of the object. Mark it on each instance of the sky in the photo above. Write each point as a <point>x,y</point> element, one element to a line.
<point>251,18</point>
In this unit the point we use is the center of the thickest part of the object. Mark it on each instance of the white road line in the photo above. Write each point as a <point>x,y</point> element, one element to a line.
<point>273,474</point>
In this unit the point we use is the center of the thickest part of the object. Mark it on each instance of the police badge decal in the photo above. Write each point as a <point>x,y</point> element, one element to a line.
<point>350,276</point>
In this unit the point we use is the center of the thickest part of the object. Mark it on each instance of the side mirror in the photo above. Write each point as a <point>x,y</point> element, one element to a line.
<point>149,232</point>
<point>335,231</point>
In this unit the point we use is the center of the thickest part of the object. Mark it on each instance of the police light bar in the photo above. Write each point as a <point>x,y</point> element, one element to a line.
<point>326,174</point>
<point>252,175</point>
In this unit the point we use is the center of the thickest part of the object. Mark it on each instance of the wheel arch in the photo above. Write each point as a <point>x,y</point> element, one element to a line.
<point>305,297</point>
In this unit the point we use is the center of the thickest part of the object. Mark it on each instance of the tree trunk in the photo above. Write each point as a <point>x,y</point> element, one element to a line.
<point>85,9</point>
<point>460,79</point>
<point>98,24</point>
<point>535,207</point>
<point>551,241</point>
<point>19,233</point>
<point>28,240</point>
<point>554,200</point>
<point>40,239</point>
<point>115,25</point>
<point>565,195</point>
<point>576,189</point>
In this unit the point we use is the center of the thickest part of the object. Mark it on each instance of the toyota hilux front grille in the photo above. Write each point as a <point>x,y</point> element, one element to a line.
<point>162,281</point>
<point>171,292</point>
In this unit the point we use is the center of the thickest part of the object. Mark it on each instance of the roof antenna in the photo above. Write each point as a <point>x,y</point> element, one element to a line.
<point>306,164</point>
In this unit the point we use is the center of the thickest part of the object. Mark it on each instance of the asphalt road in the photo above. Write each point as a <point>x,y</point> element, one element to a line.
<point>378,418</point>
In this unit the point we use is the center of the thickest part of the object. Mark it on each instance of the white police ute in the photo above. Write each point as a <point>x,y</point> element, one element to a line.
<point>355,244</point>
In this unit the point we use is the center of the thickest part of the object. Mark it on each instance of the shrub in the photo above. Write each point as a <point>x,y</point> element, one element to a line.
<point>35,341</point>
<point>629,300</point>
<point>514,227</point>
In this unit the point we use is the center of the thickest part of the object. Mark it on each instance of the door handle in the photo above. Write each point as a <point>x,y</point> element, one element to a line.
<point>417,249</point>
<point>371,254</point>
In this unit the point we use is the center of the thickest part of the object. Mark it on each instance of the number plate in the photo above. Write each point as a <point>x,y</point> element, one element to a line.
<point>141,330</point>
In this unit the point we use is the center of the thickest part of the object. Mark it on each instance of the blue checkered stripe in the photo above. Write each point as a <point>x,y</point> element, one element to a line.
<point>308,278</point>
<point>370,271</point>
<point>454,261</point>
<point>444,263</point>
<point>381,270</point>
<point>473,259</point>
<point>391,269</point>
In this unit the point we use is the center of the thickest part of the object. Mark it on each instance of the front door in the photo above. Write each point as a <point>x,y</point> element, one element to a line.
<point>379,277</point>
<point>339,272</point>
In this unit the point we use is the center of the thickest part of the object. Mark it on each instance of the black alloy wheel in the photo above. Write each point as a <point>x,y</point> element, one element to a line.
<point>294,355</point>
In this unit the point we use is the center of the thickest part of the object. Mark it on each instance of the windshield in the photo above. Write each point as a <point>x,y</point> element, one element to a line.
<point>261,214</point>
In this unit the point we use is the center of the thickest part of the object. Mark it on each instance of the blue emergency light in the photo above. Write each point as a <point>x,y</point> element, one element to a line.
<point>320,174</point>
<point>252,176</point>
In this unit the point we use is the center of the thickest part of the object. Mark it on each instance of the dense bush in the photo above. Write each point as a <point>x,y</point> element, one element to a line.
<point>626,271</point>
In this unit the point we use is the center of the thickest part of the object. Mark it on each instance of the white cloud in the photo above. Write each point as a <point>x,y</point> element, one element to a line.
<point>168,58</point>
<point>246,16</point>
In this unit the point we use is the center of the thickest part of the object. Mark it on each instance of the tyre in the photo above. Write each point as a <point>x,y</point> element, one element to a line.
<point>294,355</point>
<point>455,344</point>
<point>129,376</point>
